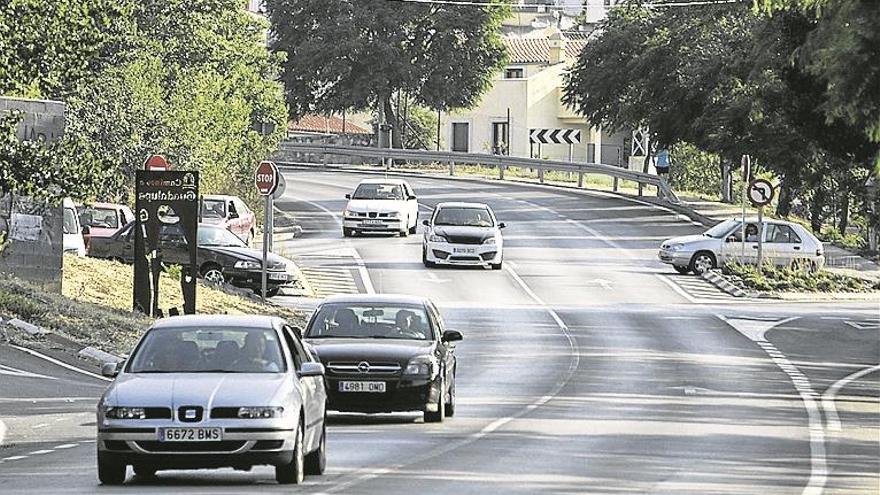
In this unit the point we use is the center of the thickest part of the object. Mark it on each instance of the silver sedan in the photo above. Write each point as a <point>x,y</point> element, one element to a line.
<point>214,391</point>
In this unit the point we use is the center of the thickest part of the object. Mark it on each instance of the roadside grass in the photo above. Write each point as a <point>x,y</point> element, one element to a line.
<point>793,279</point>
<point>94,308</point>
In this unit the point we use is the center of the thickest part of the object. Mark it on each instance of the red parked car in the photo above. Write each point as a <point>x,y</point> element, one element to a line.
<point>231,213</point>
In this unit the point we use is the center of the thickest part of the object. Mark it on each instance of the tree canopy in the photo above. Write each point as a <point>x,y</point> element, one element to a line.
<point>355,54</point>
<point>189,79</point>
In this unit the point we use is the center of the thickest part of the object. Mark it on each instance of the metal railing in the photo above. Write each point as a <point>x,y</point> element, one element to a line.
<point>291,152</point>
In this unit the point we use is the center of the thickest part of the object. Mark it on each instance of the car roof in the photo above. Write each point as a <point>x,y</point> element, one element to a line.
<point>215,321</point>
<point>462,204</point>
<point>106,205</point>
<point>766,220</point>
<point>377,298</point>
<point>382,181</point>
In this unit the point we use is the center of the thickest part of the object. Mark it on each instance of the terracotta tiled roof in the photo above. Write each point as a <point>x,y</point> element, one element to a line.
<point>321,123</point>
<point>537,50</point>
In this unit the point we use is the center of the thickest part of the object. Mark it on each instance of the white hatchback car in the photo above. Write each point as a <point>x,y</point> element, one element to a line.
<point>785,243</point>
<point>381,205</point>
<point>463,234</point>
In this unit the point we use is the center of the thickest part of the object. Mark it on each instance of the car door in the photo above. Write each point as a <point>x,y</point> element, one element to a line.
<point>733,249</point>
<point>782,245</point>
<point>312,387</point>
<point>445,349</point>
<point>412,204</point>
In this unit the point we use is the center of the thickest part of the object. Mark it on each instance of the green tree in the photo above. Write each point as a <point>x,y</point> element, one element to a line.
<point>357,54</point>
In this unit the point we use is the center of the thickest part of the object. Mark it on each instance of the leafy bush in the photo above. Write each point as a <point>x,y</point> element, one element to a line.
<point>796,279</point>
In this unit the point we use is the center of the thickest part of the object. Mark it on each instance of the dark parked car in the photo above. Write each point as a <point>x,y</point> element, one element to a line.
<point>385,353</point>
<point>222,256</point>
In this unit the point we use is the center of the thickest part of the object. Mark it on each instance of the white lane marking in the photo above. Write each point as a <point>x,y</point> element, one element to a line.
<point>832,420</point>
<point>362,268</point>
<point>755,330</point>
<point>367,474</point>
<point>41,452</point>
<point>65,446</point>
<point>9,370</point>
<point>60,363</point>
<point>681,292</point>
<point>14,458</point>
<point>45,399</point>
<point>41,425</point>
<point>2,431</point>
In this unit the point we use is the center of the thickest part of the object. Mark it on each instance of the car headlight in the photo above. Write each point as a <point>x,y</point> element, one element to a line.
<point>437,238</point>
<point>349,213</point>
<point>490,240</point>
<point>260,412</point>
<point>113,412</point>
<point>675,247</point>
<point>421,365</point>
<point>247,265</point>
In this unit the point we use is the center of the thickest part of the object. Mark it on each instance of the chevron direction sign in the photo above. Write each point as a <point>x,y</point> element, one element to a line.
<point>555,136</point>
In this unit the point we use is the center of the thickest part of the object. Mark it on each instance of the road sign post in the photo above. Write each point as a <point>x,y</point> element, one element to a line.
<point>746,170</point>
<point>266,181</point>
<point>760,192</point>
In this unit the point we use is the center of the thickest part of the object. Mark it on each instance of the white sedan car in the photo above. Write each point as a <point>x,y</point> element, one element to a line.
<point>381,205</point>
<point>214,391</point>
<point>463,234</point>
<point>785,243</point>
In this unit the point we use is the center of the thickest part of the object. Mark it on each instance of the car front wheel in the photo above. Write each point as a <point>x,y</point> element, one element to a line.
<point>439,415</point>
<point>316,462</point>
<point>110,471</point>
<point>292,473</point>
<point>213,274</point>
<point>702,262</point>
<point>681,269</point>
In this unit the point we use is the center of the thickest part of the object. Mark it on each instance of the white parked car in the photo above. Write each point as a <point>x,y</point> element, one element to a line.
<point>785,243</point>
<point>73,241</point>
<point>381,205</point>
<point>463,234</point>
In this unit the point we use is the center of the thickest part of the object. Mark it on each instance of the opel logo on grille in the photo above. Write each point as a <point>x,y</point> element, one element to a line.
<point>364,367</point>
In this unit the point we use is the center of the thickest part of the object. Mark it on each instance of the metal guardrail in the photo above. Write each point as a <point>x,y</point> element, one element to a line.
<point>288,152</point>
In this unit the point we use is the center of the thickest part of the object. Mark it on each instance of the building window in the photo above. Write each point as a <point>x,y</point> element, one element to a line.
<point>460,136</point>
<point>514,73</point>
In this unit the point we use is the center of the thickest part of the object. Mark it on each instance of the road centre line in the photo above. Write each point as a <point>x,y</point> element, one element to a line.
<point>832,420</point>
<point>755,330</point>
<point>367,474</point>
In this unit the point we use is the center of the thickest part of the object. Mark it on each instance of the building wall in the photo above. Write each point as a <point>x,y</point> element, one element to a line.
<point>534,103</point>
<point>33,231</point>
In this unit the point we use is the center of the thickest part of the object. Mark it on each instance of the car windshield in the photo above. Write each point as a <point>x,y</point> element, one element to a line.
<point>365,321</point>
<point>208,350</point>
<point>719,231</point>
<point>464,217</point>
<point>379,191</point>
<point>213,208</point>
<point>70,221</point>
<point>218,237</point>
<point>104,218</point>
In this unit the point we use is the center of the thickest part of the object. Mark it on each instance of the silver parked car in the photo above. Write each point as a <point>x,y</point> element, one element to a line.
<point>785,243</point>
<point>214,391</point>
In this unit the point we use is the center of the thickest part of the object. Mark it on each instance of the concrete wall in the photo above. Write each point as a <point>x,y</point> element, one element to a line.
<point>33,231</point>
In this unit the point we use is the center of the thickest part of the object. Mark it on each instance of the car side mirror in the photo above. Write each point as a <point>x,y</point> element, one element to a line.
<point>348,196</point>
<point>311,369</point>
<point>86,230</point>
<point>426,223</point>
<point>411,198</point>
<point>233,215</point>
<point>110,370</point>
<point>451,336</point>
<point>502,225</point>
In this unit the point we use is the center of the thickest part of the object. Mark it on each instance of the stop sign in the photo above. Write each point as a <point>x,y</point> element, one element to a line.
<point>266,178</point>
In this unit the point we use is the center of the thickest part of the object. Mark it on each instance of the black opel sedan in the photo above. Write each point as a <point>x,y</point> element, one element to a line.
<point>222,256</point>
<point>385,353</point>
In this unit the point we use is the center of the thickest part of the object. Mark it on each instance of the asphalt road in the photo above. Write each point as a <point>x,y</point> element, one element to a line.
<point>587,367</point>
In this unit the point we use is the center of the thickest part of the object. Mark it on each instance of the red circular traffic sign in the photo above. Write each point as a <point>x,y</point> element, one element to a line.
<point>156,162</point>
<point>266,178</point>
